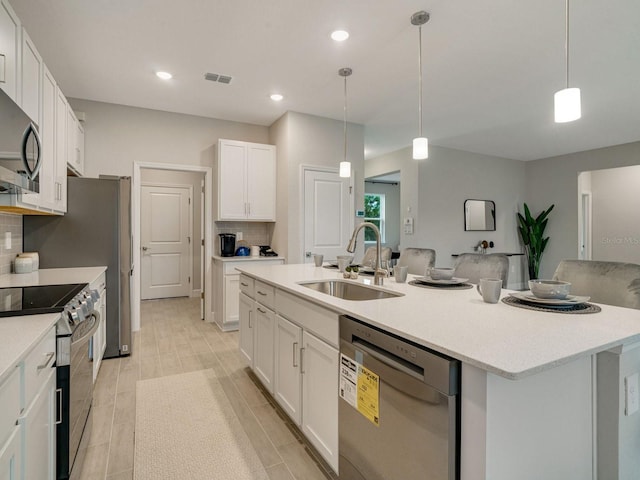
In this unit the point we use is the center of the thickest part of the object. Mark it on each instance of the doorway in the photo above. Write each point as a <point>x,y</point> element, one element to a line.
<point>201,243</point>
<point>384,194</point>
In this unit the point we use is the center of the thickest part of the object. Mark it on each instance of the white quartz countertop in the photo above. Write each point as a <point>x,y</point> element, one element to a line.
<point>246,258</point>
<point>505,340</point>
<point>51,276</point>
<point>19,334</point>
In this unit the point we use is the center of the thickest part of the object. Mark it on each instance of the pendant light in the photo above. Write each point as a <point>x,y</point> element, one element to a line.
<point>345,166</point>
<point>567,101</point>
<point>420,144</point>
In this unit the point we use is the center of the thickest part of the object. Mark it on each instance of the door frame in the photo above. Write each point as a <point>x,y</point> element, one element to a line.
<point>190,227</point>
<point>208,230</point>
<point>323,169</point>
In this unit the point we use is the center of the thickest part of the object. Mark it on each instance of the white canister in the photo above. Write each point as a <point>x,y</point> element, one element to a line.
<point>23,265</point>
<point>35,258</point>
<point>255,250</point>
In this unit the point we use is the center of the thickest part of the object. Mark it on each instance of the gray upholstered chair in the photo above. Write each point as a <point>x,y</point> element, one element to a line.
<point>475,266</point>
<point>611,283</point>
<point>369,259</point>
<point>417,259</point>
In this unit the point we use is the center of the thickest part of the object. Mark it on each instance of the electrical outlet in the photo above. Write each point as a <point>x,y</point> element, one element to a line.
<point>631,394</point>
<point>238,236</point>
<point>7,240</point>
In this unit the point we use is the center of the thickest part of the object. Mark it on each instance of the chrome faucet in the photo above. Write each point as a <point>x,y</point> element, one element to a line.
<point>379,272</point>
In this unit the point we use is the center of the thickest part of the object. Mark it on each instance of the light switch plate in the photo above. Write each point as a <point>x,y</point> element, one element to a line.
<point>631,394</point>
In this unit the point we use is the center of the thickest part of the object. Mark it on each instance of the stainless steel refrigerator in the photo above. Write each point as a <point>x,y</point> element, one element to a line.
<point>95,231</point>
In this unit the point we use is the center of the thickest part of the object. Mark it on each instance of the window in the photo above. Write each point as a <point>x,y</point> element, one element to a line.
<point>374,213</point>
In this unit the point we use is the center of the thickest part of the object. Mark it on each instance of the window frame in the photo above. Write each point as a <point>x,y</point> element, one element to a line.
<point>381,219</point>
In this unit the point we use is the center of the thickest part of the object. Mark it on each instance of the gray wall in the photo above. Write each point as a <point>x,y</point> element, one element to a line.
<point>434,190</point>
<point>555,181</point>
<point>309,140</point>
<point>616,214</point>
<point>392,210</point>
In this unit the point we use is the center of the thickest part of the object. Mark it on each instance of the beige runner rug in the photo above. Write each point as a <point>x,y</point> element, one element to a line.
<point>187,429</point>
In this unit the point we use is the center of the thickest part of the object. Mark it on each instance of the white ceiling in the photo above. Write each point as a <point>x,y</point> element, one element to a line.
<point>490,67</point>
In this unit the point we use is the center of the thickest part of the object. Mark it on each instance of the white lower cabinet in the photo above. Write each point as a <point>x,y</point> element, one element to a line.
<point>99,340</point>
<point>295,356</point>
<point>319,396</point>
<point>287,368</point>
<point>264,329</point>
<point>246,328</point>
<point>10,462</point>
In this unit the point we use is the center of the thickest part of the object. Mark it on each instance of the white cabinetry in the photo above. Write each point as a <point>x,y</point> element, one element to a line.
<point>9,51</point>
<point>61,149</point>
<point>27,419</point>
<point>226,284</point>
<point>246,180</point>
<point>304,354</point>
<point>31,79</point>
<point>246,327</point>
<point>99,340</point>
<point>75,143</point>
<point>264,329</point>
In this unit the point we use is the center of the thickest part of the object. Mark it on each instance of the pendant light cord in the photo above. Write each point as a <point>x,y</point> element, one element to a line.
<point>420,78</point>
<point>566,42</point>
<point>345,118</point>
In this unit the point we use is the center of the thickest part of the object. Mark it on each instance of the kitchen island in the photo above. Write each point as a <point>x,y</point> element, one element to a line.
<point>530,403</point>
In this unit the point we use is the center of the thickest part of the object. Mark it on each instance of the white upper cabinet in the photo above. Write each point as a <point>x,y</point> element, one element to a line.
<point>48,180</point>
<point>75,143</point>
<point>31,79</point>
<point>246,180</point>
<point>9,51</point>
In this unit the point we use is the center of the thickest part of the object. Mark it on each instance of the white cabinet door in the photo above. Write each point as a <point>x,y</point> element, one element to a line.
<point>231,292</point>
<point>72,141</point>
<point>320,396</point>
<point>246,328</point>
<point>232,165</point>
<point>287,387</point>
<point>80,148</point>
<point>48,181</point>
<point>264,328</point>
<point>38,424</point>
<point>10,459</point>
<point>61,150</point>
<point>31,78</point>
<point>9,50</point>
<point>261,181</point>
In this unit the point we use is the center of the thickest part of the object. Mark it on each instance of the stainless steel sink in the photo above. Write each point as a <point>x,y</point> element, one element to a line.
<point>348,290</point>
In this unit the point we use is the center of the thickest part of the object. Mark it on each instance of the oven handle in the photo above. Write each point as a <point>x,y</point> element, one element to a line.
<point>93,330</point>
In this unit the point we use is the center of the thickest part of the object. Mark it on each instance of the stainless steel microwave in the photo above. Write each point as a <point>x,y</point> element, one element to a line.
<point>19,149</point>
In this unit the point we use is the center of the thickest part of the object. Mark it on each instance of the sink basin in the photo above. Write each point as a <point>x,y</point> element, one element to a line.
<point>349,290</point>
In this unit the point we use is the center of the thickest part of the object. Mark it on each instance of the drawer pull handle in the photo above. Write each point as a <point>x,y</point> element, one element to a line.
<point>262,293</point>
<point>59,399</point>
<point>44,364</point>
<point>295,347</point>
<point>244,284</point>
<point>261,310</point>
<point>301,360</point>
<point>250,326</point>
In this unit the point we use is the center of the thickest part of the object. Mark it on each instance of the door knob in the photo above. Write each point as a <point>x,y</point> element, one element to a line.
<point>144,249</point>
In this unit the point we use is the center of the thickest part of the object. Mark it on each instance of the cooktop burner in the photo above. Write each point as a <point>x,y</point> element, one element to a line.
<point>37,299</point>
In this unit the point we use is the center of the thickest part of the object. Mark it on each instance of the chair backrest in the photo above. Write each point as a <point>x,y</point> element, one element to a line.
<point>611,283</point>
<point>475,266</point>
<point>417,259</point>
<point>369,258</point>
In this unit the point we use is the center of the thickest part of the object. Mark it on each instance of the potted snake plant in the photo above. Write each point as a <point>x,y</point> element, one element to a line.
<point>532,234</point>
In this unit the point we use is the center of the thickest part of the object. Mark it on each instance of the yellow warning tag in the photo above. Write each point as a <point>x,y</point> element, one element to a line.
<point>369,395</point>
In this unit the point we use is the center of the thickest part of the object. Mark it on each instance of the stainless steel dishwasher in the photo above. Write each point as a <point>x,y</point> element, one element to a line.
<point>399,408</point>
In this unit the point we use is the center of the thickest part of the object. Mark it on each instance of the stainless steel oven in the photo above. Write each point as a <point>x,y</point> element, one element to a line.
<point>399,408</point>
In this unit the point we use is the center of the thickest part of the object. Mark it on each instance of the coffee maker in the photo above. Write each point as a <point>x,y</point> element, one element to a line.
<point>227,244</point>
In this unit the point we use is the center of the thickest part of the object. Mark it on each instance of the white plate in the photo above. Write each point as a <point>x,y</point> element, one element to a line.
<point>554,302</point>
<point>451,281</point>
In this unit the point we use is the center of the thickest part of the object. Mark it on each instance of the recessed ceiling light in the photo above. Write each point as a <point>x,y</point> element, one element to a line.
<point>164,75</point>
<point>340,35</point>
<point>276,97</point>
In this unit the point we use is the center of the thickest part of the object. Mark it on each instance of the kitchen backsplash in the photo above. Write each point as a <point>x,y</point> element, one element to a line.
<point>9,223</point>
<point>253,233</point>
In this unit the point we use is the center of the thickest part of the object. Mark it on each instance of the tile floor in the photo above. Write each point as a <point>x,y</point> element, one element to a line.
<point>172,340</point>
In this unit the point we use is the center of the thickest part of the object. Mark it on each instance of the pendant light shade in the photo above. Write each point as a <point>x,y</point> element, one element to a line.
<point>345,166</point>
<point>567,105</point>
<point>420,144</point>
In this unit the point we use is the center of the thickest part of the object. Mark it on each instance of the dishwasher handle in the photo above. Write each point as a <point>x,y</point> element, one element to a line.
<point>388,359</point>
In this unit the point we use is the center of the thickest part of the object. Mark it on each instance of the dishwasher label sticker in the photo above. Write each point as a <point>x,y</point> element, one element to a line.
<point>360,388</point>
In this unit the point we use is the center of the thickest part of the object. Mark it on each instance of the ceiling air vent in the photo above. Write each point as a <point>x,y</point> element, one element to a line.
<point>215,77</point>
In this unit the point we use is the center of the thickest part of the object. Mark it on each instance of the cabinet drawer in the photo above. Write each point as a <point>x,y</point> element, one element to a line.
<point>247,285</point>
<point>37,366</point>
<point>10,401</point>
<point>265,294</point>
<point>322,322</point>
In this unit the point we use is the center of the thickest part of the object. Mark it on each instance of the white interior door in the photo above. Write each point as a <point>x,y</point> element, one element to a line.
<point>327,214</point>
<point>165,241</point>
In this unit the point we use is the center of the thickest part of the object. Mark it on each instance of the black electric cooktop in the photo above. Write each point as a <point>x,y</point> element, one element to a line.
<point>38,299</point>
